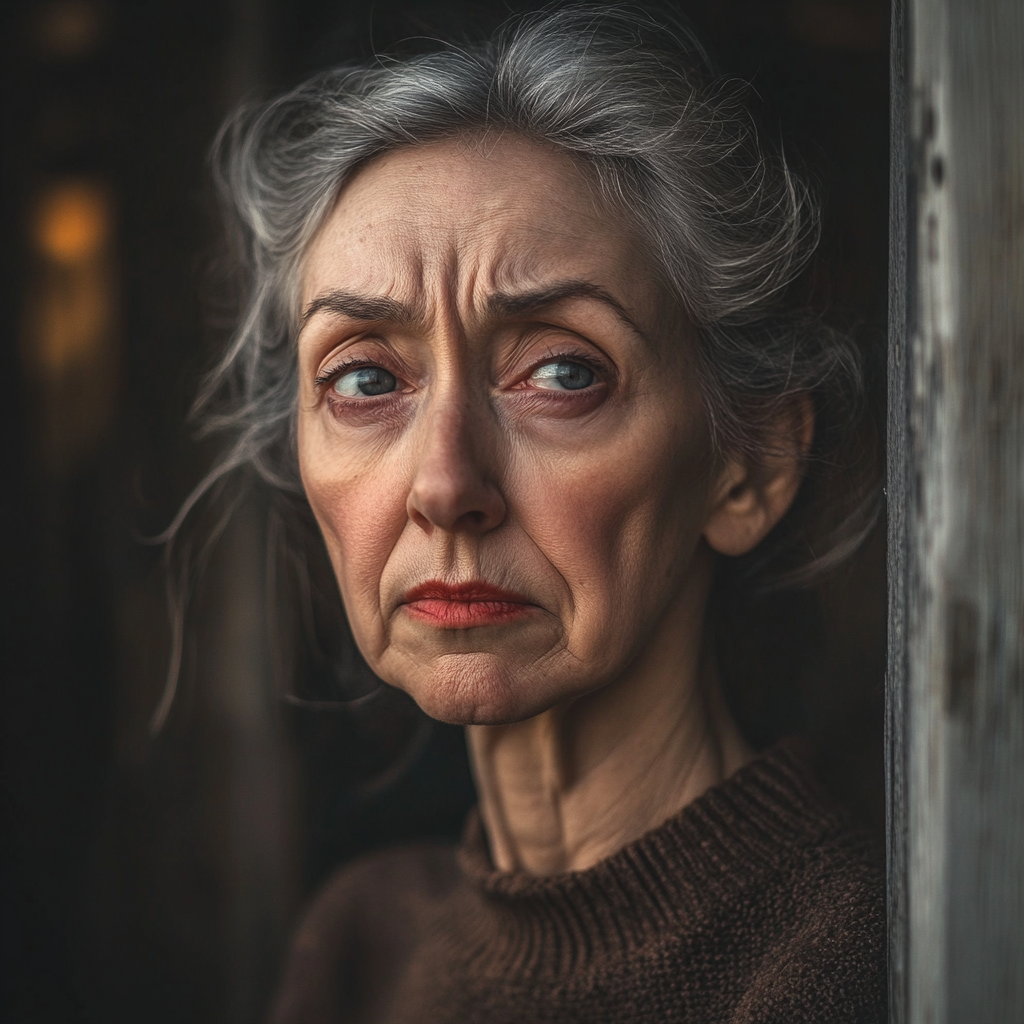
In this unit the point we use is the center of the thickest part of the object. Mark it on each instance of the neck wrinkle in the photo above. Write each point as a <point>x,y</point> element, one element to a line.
<point>568,788</point>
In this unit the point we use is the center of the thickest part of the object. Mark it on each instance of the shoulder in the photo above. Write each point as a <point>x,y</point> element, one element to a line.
<point>392,878</point>
<point>826,959</point>
<point>801,895</point>
<point>829,964</point>
<point>359,927</point>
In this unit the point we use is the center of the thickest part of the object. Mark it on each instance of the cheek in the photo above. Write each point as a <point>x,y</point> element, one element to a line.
<point>359,504</point>
<point>620,524</point>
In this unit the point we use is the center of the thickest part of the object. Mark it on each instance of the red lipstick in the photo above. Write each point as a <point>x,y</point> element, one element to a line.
<point>463,605</point>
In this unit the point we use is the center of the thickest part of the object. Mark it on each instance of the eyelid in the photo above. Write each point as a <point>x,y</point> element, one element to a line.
<point>342,365</point>
<point>570,350</point>
<point>571,357</point>
<point>602,369</point>
<point>365,346</point>
<point>338,369</point>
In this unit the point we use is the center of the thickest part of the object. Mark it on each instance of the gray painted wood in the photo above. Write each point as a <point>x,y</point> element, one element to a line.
<point>957,521</point>
<point>896,492</point>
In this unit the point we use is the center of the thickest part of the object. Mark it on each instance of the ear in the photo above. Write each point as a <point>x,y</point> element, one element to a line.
<point>748,498</point>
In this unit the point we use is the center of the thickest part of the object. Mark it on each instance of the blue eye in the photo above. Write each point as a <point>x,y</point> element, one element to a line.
<point>367,381</point>
<point>563,375</point>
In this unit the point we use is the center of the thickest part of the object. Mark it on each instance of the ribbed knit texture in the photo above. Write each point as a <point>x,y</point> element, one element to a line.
<point>756,903</point>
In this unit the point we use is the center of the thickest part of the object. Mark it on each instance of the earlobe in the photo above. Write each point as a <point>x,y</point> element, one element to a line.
<point>750,498</point>
<point>736,521</point>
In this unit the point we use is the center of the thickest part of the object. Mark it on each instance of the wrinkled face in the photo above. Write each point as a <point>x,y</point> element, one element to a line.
<point>500,432</point>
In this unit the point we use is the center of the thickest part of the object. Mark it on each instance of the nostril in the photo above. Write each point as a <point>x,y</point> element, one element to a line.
<point>453,486</point>
<point>429,509</point>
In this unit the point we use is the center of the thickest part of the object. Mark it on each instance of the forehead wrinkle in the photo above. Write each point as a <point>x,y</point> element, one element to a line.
<point>468,268</point>
<point>437,272</point>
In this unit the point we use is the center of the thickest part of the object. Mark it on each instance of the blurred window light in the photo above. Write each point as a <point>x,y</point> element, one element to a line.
<point>72,303</point>
<point>69,327</point>
<point>72,223</point>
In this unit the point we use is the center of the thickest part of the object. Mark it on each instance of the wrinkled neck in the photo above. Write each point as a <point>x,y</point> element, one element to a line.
<point>568,788</point>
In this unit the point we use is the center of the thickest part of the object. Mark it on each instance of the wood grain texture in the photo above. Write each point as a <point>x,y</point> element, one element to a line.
<point>960,580</point>
<point>896,512</point>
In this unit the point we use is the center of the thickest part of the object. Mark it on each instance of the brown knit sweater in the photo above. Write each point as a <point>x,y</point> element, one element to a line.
<point>756,903</point>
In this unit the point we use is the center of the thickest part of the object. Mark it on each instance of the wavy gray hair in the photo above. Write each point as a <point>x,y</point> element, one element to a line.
<point>669,142</point>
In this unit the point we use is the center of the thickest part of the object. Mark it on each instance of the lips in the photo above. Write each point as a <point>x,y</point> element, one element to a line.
<point>464,605</point>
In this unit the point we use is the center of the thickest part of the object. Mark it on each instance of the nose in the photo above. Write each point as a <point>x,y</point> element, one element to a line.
<point>454,487</point>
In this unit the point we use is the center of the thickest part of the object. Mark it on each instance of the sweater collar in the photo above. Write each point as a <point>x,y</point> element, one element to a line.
<point>669,878</point>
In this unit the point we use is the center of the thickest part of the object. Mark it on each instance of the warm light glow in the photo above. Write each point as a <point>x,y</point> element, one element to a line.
<point>72,222</point>
<point>69,330</point>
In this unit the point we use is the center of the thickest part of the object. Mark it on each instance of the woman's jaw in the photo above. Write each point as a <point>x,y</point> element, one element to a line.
<point>535,635</point>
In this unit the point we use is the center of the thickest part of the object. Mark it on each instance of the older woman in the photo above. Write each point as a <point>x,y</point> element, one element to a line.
<point>518,320</point>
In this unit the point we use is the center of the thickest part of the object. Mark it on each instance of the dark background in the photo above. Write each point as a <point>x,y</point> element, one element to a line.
<point>156,880</point>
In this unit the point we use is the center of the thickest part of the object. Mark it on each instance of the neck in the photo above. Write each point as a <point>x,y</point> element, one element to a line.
<point>568,788</point>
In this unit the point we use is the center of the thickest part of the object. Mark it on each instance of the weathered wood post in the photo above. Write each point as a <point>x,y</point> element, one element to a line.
<point>956,513</point>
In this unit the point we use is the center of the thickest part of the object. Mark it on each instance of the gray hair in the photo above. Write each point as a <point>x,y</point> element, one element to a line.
<point>669,142</point>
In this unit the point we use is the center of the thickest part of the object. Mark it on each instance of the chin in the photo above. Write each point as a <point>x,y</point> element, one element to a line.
<point>475,689</point>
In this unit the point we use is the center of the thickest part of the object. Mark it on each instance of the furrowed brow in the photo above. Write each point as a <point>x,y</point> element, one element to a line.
<point>368,308</point>
<point>525,303</point>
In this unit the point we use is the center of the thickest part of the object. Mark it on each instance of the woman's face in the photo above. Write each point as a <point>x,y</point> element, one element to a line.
<point>500,431</point>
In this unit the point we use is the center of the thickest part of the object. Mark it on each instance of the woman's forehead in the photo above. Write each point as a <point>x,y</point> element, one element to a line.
<point>491,214</point>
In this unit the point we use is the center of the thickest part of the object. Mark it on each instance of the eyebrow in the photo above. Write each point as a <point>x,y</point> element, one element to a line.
<point>380,308</point>
<point>367,308</point>
<point>525,303</point>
